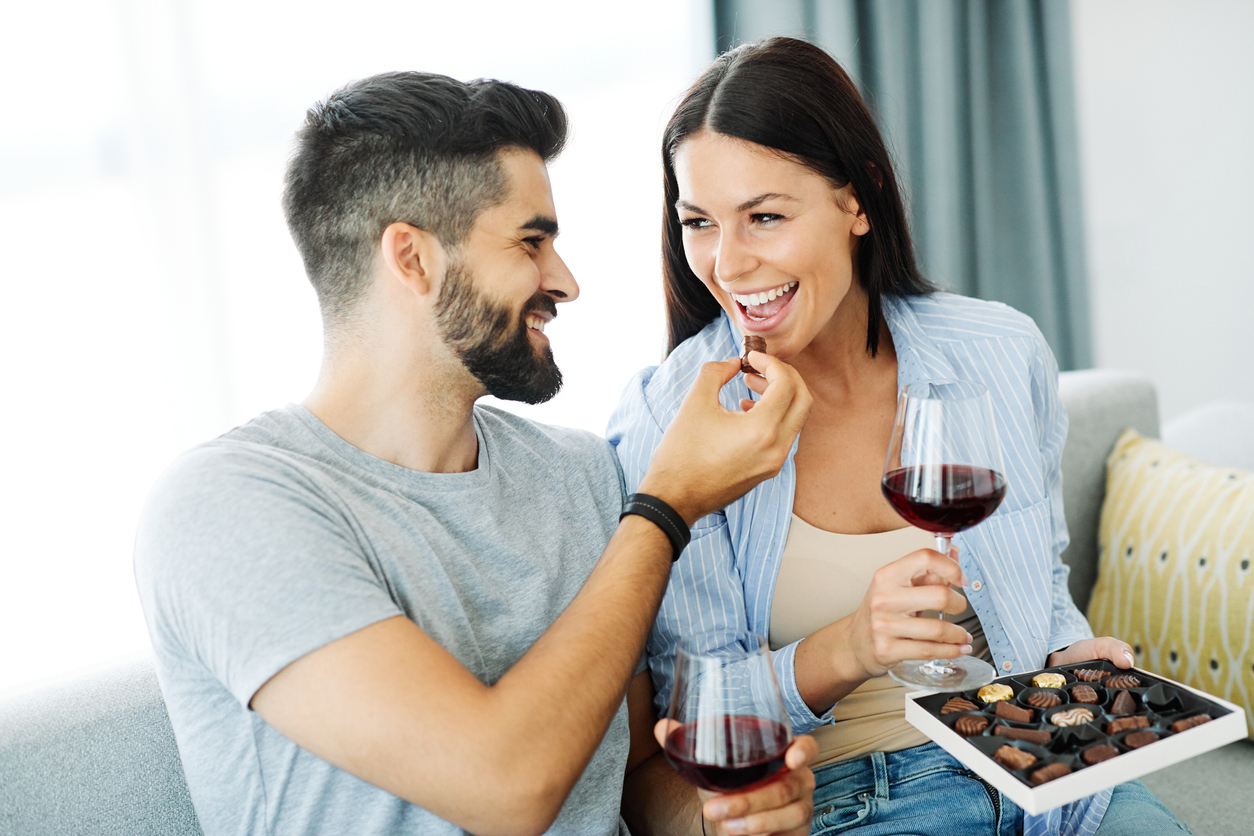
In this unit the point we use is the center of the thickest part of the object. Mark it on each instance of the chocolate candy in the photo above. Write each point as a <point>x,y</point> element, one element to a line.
<point>971,725</point>
<point>1049,680</point>
<point>1140,738</point>
<point>1043,699</point>
<point>995,692</point>
<point>1049,773</point>
<point>1189,722</point>
<point>1125,723</point>
<point>1006,711</point>
<point>752,343</point>
<point>1089,674</point>
<point>1122,680</point>
<point>1097,754</point>
<point>1083,693</point>
<point>1038,736</point>
<point>1071,717</point>
<point>1012,758</point>
<point>1123,704</point>
<point>957,704</point>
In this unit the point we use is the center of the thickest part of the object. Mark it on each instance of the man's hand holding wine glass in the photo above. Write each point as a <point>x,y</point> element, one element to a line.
<point>781,807</point>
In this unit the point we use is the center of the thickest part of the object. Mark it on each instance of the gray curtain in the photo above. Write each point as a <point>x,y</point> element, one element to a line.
<point>974,98</point>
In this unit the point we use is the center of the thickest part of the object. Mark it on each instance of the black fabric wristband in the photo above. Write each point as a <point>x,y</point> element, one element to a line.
<point>663,516</point>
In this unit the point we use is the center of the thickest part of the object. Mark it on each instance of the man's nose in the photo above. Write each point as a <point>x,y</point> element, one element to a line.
<point>557,280</point>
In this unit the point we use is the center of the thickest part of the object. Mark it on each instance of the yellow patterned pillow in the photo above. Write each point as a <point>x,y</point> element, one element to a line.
<point>1174,579</point>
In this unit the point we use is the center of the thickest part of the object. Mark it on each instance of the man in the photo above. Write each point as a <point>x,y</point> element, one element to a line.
<point>388,610</point>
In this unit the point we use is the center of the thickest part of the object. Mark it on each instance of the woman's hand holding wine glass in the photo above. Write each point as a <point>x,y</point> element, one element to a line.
<point>885,629</point>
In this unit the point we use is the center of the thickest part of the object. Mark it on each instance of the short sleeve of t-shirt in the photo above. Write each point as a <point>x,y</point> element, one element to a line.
<point>247,563</point>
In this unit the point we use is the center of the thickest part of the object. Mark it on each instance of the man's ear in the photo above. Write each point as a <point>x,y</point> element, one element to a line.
<point>413,257</point>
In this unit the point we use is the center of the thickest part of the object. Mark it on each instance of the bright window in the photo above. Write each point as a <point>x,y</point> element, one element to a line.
<point>153,298</point>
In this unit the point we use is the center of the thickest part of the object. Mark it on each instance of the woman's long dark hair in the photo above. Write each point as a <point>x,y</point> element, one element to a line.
<point>792,96</point>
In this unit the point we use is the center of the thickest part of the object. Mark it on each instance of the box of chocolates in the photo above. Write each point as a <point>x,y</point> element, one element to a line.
<point>1052,736</point>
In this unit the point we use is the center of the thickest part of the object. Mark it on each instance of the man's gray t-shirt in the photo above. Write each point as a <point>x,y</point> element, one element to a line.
<point>280,537</point>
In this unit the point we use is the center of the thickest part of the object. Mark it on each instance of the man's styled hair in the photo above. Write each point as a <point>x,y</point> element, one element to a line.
<point>419,148</point>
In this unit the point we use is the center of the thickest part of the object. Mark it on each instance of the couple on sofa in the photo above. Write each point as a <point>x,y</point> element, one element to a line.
<point>388,610</point>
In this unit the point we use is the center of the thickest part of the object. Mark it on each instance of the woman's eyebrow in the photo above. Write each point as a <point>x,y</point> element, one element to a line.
<point>744,207</point>
<point>762,198</point>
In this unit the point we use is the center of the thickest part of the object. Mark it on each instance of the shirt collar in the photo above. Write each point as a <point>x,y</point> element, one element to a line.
<point>918,357</point>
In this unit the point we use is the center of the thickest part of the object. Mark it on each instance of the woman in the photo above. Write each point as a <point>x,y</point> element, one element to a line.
<point>783,219</point>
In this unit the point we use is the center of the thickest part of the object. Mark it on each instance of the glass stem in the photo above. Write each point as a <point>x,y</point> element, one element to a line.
<point>941,667</point>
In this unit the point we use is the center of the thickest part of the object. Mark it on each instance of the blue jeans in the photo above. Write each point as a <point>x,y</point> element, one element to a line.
<point>915,791</point>
<point>925,791</point>
<point>1135,811</point>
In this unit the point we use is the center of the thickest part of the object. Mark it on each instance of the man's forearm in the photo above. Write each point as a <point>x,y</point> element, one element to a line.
<point>576,674</point>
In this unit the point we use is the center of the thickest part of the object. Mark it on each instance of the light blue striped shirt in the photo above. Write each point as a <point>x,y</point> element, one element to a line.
<point>724,583</point>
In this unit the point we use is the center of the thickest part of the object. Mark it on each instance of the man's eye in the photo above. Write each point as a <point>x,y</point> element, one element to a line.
<point>535,242</point>
<point>694,223</point>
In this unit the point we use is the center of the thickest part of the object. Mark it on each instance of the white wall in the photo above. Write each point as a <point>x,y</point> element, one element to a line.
<point>1165,95</point>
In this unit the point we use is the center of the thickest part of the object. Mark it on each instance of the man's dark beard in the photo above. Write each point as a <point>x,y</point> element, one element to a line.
<point>493,346</point>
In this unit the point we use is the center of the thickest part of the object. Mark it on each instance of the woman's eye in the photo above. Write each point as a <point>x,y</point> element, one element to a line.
<point>694,223</point>
<point>765,217</point>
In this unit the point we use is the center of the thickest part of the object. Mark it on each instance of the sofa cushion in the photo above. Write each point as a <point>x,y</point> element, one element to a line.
<point>1175,579</point>
<point>93,756</point>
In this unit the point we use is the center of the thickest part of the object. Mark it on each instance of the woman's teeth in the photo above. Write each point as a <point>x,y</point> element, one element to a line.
<point>536,323</point>
<point>765,296</point>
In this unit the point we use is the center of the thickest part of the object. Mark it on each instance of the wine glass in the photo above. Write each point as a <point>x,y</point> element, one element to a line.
<point>944,474</point>
<point>733,729</point>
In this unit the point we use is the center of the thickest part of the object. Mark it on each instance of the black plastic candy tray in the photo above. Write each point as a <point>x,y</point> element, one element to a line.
<point>1158,705</point>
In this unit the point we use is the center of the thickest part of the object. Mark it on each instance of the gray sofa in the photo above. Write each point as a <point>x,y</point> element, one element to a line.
<point>97,756</point>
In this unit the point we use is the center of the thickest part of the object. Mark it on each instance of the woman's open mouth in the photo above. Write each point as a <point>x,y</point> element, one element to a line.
<point>763,309</point>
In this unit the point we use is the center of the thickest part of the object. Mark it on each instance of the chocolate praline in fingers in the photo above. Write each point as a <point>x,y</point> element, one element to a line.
<point>1083,693</point>
<point>957,704</point>
<point>1097,754</point>
<point>1012,758</point>
<point>1141,738</point>
<point>1043,699</point>
<point>752,343</point>
<point>971,725</point>
<point>1189,722</point>
<point>1125,723</point>
<point>1038,736</point>
<point>1123,704</point>
<point>1049,773</point>
<point>1089,674</point>
<point>1006,711</point>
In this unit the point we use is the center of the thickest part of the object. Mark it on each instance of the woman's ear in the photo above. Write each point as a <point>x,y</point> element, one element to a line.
<point>412,257</point>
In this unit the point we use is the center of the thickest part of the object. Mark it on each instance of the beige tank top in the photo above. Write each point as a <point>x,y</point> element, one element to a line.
<point>822,578</point>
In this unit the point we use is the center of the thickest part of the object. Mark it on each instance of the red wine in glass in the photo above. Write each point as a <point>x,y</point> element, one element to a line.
<point>944,474</point>
<point>759,759</point>
<point>729,729</point>
<point>969,495</point>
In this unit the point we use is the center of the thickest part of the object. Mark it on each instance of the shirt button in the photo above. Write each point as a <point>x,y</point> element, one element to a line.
<point>977,586</point>
<point>1006,665</point>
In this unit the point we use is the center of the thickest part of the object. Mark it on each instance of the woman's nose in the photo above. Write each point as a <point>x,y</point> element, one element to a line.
<point>733,259</point>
